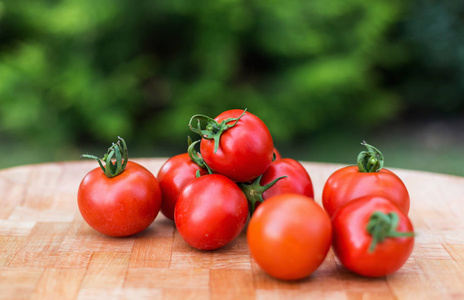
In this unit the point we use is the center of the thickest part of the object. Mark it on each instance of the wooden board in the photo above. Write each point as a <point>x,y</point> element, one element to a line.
<point>47,251</point>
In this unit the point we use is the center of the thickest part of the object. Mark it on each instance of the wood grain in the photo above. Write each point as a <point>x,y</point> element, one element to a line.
<point>47,251</point>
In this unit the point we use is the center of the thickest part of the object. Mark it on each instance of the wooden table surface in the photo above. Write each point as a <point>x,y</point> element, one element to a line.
<point>47,251</point>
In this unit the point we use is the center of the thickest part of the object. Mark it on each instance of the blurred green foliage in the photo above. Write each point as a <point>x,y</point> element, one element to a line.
<point>86,70</point>
<point>431,75</point>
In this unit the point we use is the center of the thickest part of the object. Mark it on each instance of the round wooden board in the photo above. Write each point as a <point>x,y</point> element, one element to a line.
<point>47,251</point>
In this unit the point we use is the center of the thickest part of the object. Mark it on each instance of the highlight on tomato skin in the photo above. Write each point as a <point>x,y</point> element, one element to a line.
<point>289,236</point>
<point>372,236</point>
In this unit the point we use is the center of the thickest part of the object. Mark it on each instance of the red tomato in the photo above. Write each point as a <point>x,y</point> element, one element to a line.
<point>353,244</point>
<point>244,150</point>
<point>289,236</point>
<point>175,173</point>
<point>210,212</point>
<point>122,205</point>
<point>348,183</point>
<point>296,181</point>
<point>367,179</point>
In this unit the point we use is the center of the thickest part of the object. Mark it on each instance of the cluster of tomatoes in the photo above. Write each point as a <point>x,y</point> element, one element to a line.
<point>369,205</point>
<point>238,174</point>
<point>210,194</point>
<point>365,221</point>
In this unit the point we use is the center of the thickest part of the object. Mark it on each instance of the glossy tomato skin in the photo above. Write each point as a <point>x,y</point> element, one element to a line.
<point>211,212</point>
<point>351,241</point>
<point>120,206</point>
<point>245,150</point>
<point>289,236</point>
<point>348,183</point>
<point>173,175</point>
<point>297,181</point>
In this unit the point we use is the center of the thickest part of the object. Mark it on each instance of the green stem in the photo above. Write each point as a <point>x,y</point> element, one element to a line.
<point>254,191</point>
<point>370,161</point>
<point>213,129</point>
<point>110,168</point>
<point>382,226</point>
<point>196,156</point>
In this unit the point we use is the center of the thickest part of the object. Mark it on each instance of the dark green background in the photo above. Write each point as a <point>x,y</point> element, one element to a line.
<point>323,75</point>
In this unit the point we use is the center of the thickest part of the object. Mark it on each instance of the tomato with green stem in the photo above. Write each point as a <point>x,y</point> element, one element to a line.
<point>283,176</point>
<point>289,236</point>
<point>236,144</point>
<point>367,178</point>
<point>372,236</point>
<point>119,198</point>
<point>210,212</point>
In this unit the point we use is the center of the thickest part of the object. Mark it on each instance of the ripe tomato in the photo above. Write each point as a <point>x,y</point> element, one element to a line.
<point>350,183</point>
<point>236,144</point>
<point>289,236</point>
<point>122,205</point>
<point>282,177</point>
<point>297,180</point>
<point>175,173</point>
<point>210,212</point>
<point>353,238</point>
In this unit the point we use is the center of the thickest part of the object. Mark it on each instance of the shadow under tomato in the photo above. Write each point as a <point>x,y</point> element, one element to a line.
<point>161,227</point>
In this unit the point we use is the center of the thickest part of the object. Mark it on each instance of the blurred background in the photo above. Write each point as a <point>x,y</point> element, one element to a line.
<point>323,75</point>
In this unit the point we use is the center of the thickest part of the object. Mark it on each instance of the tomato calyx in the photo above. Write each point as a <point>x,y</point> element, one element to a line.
<point>254,191</point>
<point>370,161</point>
<point>118,151</point>
<point>196,157</point>
<point>382,226</point>
<point>213,129</point>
